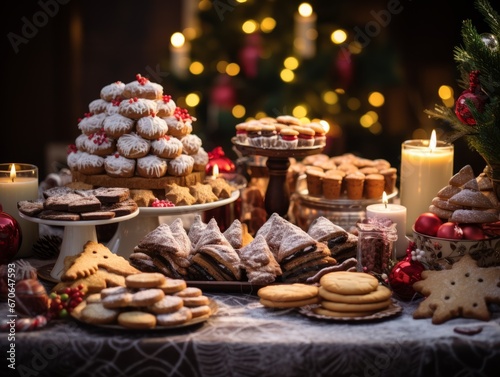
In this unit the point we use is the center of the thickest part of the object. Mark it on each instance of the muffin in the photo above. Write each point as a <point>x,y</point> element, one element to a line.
<point>354,183</point>
<point>390,176</point>
<point>314,178</point>
<point>332,184</point>
<point>374,186</point>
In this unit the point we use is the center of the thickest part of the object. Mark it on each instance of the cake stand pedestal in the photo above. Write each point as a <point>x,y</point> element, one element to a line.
<point>76,234</point>
<point>277,197</point>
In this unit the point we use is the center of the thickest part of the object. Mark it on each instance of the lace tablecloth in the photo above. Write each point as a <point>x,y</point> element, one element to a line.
<point>244,338</point>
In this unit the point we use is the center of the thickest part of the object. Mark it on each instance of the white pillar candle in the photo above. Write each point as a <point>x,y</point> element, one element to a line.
<point>179,55</point>
<point>305,32</point>
<point>397,214</point>
<point>426,167</point>
<point>20,182</point>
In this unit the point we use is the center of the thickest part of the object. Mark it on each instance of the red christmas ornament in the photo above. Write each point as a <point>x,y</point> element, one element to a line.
<point>10,237</point>
<point>473,95</point>
<point>250,55</point>
<point>219,158</point>
<point>223,94</point>
<point>404,274</point>
<point>31,298</point>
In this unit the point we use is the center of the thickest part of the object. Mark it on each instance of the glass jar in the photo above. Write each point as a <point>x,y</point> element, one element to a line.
<point>376,251</point>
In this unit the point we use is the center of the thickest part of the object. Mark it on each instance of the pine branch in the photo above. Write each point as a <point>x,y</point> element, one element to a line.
<point>491,17</point>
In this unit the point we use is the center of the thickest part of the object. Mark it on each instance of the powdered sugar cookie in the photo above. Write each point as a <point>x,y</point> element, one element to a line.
<point>179,317</point>
<point>166,147</point>
<point>167,304</point>
<point>146,297</point>
<point>136,108</point>
<point>151,127</point>
<point>151,166</point>
<point>181,165</point>
<point>119,166</point>
<point>165,106</point>
<point>116,125</point>
<point>143,88</point>
<point>191,144</point>
<point>195,301</point>
<point>190,292</point>
<point>133,146</point>
<point>112,91</point>
<point>97,314</point>
<point>90,164</point>
<point>173,285</point>
<point>91,123</point>
<point>98,106</point>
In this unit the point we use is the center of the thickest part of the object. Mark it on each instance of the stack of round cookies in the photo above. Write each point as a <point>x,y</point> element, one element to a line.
<point>149,299</point>
<point>351,294</point>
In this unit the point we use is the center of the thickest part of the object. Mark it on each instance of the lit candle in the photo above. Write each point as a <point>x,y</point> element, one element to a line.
<point>305,32</point>
<point>179,55</point>
<point>426,167</point>
<point>20,182</point>
<point>397,214</point>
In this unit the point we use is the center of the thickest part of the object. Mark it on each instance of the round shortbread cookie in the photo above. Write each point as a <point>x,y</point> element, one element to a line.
<point>97,314</point>
<point>200,311</point>
<point>120,300</point>
<point>176,318</point>
<point>195,301</point>
<point>330,313</point>
<point>173,286</point>
<point>113,291</point>
<point>137,320</point>
<point>349,283</point>
<point>354,308</point>
<point>289,304</point>
<point>189,292</point>
<point>167,304</point>
<point>288,292</point>
<point>382,293</point>
<point>146,297</point>
<point>145,280</point>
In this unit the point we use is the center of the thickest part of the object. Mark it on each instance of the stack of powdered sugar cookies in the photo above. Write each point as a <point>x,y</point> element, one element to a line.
<point>134,130</point>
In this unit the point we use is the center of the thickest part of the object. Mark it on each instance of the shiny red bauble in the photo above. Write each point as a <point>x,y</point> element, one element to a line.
<point>31,298</point>
<point>219,158</point>
<point>403,275</point>
<point>450,230</point>
<point>10,237</point>
<point>473,232</point>
<point>427,223</point>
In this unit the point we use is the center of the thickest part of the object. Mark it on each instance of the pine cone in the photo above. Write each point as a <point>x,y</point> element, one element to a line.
<point>47,247</point>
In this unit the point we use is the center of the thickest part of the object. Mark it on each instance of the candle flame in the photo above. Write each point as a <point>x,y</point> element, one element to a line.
<point>384,199</point>
<point>215,171</point>
<point>177,39</point>
<point>305,9</point>
<point>433,141</point>
<point>13,173</point>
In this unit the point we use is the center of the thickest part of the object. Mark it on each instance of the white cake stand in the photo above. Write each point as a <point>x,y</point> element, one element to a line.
<point>130,233</point>
<point>76,234</point>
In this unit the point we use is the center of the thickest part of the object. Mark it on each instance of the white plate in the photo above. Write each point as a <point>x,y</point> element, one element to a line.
<point>180,210</point>
<point>81,222</point>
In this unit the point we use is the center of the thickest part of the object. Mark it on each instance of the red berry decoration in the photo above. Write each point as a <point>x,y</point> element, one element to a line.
<point>63,303</point>
<point>474,96</point>
<point>157,203</point>
<point>404,274</point>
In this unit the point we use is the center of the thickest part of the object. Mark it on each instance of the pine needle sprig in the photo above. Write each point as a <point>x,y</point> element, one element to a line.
<point>476,55</point>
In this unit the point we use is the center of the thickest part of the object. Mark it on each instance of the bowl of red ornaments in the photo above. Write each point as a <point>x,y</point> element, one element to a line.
<point>440,243</point>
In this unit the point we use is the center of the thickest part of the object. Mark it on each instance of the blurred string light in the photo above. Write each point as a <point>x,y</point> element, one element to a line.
<point>419,133</point>
<point>291,63</point>
<point>447,95</point>
<point>267,25</point>
<point>353,104</point>
<point>260,114</point>
<point>177,39</point>
<point>300,111</point>
<point>192,99</point>
<point>330,97</point>
<point>238,111</point>
<point>196,68</point>
<point>376,99</point>
<point>338,36</point>
<point>232,69</point>
<point>287,75</point>
<point>221,66</point>
<point>250,26</point>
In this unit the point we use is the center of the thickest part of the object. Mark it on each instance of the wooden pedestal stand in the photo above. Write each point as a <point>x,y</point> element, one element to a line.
<point>277,198</point>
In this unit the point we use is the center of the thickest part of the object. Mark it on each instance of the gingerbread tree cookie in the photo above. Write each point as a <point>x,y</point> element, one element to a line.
<point>463,291</point>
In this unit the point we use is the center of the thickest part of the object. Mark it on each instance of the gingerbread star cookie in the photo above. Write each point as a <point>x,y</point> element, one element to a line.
<point>203,193</point>
<point>179,195</point>
<point>463,291</point>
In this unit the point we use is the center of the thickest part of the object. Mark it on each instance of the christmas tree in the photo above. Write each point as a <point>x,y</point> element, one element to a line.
<point>249,59</point>
<point>476,115</point>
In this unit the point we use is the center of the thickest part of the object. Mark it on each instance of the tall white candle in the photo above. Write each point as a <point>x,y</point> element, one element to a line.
<point>179,55</point>
<point>305,32</point>
<point>426,167</point>
<point>397,214</point>
<point>20,182</point>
